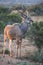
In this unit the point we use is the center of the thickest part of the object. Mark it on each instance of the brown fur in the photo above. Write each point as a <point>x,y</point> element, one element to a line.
<point>12,32</point>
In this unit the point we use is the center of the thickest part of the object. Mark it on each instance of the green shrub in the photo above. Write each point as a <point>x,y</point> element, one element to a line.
<point>6,51</point>
<point>37,57</point>
<point>14,18</point>
<point>36,34</point>
<point>10,19</point>
<point>28,63</point>
<point>2,25</point>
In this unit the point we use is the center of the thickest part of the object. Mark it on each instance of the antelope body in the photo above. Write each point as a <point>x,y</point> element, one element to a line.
<point>15,32</point>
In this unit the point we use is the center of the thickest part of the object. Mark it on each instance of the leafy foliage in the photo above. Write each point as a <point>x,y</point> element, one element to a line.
<point>2,25</point>
<point>7,18</point>
<point>36,57</point>
<point>15,17</point>
<point>37,10</point>
<point>6,51</point>
<point>36,34</point>
<point>28,63</point>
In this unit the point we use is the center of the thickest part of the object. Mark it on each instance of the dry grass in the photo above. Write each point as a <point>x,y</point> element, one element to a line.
<point>37,18</point>
<point>28,49</point>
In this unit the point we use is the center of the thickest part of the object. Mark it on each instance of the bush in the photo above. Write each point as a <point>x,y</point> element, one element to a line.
<point>10,19</point>
<point>2,25</point>
<point>36,57</point>
<point>6,51</point>
<point>36,34</point>
<point>28,63</point>
<point>14,18</point>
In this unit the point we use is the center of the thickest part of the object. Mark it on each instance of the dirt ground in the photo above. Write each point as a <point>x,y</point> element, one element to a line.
<point>25,47</point>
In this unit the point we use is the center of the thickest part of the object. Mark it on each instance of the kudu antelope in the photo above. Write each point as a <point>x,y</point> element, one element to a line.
<point>16,32</point>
